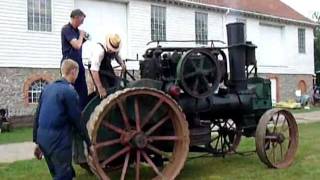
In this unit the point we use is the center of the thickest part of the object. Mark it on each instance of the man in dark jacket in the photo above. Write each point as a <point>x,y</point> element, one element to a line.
<point>57,114</point>
<point>71,43</point>
<point>72,40</point>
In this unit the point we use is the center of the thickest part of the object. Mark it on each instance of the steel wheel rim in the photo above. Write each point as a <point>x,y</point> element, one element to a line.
<point>180,139</point>
<point>277,138</point>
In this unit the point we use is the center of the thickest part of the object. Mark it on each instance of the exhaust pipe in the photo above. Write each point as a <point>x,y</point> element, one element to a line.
<point>237,56</point>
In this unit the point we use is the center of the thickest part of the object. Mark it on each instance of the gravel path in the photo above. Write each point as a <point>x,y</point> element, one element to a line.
<point>308,117</point>
<point>24,151</point>
<point>16,152</point>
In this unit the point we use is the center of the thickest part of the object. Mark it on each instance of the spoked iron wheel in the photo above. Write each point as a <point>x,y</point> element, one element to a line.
<point>198,73</point>
<point>277,138</point>
<point>225,136</point>
<point>138,126</point>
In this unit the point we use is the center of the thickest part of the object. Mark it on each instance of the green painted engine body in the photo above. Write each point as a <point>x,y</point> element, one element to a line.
<point>262,89</point>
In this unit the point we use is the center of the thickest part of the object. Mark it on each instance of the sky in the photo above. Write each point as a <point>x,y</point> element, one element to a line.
<point>304,7</point>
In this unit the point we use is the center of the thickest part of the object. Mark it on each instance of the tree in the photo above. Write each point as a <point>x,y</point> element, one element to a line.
<point>316,16</point>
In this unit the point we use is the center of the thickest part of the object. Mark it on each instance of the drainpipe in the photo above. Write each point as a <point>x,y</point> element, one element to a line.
<point>224,23</point>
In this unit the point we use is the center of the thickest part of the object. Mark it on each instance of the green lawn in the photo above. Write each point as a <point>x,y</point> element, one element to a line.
<point>306,165</point>
<point>16,135</point>
<point>302,110</point>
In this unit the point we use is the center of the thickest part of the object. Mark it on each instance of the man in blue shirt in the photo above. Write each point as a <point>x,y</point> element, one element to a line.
<point>71,42</point>
<point>57,114</point>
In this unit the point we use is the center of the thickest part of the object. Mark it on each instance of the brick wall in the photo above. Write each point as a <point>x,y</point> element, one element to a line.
<point>287,84</point>
<point>14,85</point>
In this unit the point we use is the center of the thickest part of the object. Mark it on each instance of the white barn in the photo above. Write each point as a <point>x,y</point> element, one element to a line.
<point>30,49</point>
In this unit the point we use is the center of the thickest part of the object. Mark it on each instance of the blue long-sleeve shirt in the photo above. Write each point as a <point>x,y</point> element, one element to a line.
<point>57,114</point>
<point>68,33</point>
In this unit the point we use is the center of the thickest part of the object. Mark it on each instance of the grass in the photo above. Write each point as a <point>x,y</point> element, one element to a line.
<point>302,110</point>
<point>306,165</point>
<point>16,135</point>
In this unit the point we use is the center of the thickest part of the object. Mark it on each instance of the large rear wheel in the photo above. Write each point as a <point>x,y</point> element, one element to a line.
<point>139,126</point>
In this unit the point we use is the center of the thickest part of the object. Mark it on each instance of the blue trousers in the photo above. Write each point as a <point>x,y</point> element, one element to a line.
<point>60,165</point>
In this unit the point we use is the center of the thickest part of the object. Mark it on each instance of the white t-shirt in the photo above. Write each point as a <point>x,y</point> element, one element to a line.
<point>96,57</point>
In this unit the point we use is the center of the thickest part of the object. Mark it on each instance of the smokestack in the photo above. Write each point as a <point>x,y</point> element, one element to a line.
<point>237,55</point>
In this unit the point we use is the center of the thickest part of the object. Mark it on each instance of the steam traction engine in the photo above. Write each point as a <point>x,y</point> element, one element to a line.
<point>186,101</point>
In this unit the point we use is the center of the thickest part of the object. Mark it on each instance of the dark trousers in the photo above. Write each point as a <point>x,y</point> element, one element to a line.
<point>81,87</point>
<point>60,165</point>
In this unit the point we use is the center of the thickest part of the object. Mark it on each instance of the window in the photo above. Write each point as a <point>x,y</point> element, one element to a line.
<point>201,22</point>
<point>158,23</point>
<point>35,90</point>
<point>302,86</point>
<point>39,15</point>
<point>302,40</point>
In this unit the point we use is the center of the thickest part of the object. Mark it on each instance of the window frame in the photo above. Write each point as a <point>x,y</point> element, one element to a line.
<point>302,40</point>
<point>158,21</point>
<point>201,21</point>
<point>42,27</point>
<point>34,92</point>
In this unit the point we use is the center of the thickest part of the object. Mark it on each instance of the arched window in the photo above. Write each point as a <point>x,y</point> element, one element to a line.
<point>302,87</point>
<point>35,90</point>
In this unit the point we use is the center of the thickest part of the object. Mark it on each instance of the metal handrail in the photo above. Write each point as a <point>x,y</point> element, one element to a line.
<point>212,41</point>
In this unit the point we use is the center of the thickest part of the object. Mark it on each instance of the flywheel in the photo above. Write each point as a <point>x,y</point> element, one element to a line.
<point>198,73</point>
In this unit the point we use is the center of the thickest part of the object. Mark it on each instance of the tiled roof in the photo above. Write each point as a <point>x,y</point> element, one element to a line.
<point>267,7</point>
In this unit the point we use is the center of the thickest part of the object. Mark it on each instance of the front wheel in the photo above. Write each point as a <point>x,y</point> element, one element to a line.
<point>277,138</point>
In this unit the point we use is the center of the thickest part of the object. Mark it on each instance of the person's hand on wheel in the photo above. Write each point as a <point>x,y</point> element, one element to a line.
<point>102,92</point>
